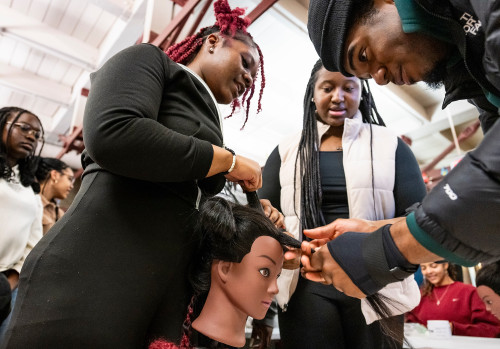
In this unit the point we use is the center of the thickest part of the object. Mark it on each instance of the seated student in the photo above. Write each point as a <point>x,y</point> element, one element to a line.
<point>488,287</point>
<point>21,134</point>
<point>56,181</point>
<point>240,259</point>
<point>443,298</point>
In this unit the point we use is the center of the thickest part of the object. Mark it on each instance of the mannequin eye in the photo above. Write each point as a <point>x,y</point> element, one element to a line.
<point>362,56</point>
<point>265,272</point>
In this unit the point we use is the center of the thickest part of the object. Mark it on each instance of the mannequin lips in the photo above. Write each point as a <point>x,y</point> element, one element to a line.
<point>267,304</point>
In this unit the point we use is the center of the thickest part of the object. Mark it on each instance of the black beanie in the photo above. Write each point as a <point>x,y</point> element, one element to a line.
<point>327,24</point>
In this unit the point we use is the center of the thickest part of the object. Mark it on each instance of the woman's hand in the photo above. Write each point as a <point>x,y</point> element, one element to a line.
<point>321,267</point>
<point>13,278</point>
<point>273,214</point>
<point>340,226</point>
<point>246,173</point>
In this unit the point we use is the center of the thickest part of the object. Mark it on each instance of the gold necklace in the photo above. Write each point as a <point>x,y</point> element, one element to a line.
<point>439,299</point>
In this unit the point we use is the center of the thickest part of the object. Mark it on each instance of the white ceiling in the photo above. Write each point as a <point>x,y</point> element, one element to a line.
<point>48,48</point>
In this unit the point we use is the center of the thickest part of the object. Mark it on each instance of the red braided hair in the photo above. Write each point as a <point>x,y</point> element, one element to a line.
<point>185,342</point>
<point>228,22</point>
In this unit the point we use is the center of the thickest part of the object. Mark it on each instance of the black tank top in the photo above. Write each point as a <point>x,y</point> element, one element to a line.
<point>334,204</point>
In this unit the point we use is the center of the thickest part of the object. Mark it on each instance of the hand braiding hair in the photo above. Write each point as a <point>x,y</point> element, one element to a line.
<point>228,23</point>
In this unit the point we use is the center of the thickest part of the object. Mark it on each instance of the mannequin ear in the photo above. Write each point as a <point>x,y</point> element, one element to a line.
<point>223,270</point>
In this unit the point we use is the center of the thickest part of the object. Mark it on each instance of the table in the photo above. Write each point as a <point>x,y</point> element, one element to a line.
<point>421,341</point>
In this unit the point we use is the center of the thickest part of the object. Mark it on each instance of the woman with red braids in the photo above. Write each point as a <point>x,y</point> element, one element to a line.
<point>113,271</point>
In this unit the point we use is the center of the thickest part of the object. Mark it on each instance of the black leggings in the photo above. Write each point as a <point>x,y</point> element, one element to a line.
<point>319,316</point>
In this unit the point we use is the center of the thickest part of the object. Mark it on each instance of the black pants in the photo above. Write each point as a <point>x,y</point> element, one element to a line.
<point>5,296</point>
<point>319,316</point>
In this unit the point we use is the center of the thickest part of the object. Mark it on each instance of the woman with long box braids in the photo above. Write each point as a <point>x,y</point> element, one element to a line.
<point>113,271</point>
<point>343,164</point>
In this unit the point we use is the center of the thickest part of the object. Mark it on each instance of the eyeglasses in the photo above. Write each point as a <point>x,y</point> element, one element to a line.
<point>70,177</point>
<point>27,130</point>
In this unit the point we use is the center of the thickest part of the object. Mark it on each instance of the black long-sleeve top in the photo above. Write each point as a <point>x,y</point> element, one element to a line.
<point>157,125</point>
<point>408,184</point>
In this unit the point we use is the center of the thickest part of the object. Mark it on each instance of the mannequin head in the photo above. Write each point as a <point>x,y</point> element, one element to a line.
<point>228,232</point>
<point>240,258</point>
<point>488,287</point>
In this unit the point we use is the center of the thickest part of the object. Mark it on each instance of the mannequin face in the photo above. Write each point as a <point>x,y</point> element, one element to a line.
<point>252,284</point>
<point>491,300</point>
<point>435,273</point>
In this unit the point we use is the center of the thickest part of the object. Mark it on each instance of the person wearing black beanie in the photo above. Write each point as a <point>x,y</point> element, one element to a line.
<point>451,43</point>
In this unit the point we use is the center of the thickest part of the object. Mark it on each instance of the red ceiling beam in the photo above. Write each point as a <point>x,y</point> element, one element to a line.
<point>187,9</point>
<point>200,17</point>
<point>260,9</point>
<point>75,140</point>
<point>72,142</point>
<point>466,133</point>
<point>172,30</point>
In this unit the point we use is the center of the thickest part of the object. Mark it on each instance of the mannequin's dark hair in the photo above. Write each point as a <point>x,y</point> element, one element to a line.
<point>28,165</point>
<point>489,275</point>
<point>229,23</point>
<point>308,152</point>
<point>227,232</point>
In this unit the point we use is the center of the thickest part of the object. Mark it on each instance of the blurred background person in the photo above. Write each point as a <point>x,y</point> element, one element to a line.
<point>444,298</point>
<point>488,287</point>
<point>56,181</point>
<point>20,207</point>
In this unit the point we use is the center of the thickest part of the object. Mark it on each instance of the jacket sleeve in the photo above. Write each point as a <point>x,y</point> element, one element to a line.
<point>121,131</point>
<point>271,187</point>
<point>409,187</point>
<point>399,298</point>
<point>459,219</point>
<point>489,14</point>
<point>481,324</point>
